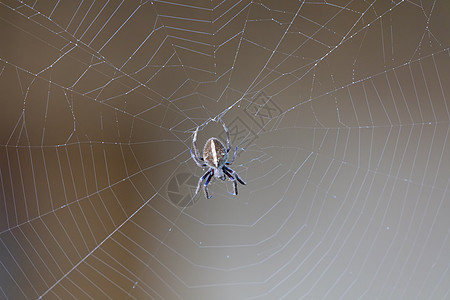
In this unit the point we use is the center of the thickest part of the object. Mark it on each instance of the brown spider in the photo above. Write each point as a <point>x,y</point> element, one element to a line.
<point>215,157</point>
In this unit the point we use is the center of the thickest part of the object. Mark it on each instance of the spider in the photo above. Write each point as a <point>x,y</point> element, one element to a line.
<point>215,157</point>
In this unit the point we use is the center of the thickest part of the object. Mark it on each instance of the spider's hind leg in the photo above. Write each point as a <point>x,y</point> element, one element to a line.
<point>196,155</point>
<point>234,157</point>
<point>197,161</point>
<point>228,135</point>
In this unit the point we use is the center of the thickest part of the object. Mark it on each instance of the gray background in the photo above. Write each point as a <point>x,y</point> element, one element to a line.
<point>339,109</point>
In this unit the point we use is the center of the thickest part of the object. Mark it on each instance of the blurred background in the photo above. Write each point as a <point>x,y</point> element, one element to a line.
<point>339,111</point>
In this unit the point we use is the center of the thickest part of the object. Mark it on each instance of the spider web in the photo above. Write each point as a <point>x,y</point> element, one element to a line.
<point>339,110</point>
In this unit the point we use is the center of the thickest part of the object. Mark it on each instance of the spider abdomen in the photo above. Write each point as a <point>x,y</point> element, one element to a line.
<point>214,153</point>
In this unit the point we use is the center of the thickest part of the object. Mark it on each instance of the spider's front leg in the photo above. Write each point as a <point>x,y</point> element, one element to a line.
<point>206,184</point>
<point>234,174</point>
<point>199,184</point>
<point>234,182</point>
<point>233,177</point>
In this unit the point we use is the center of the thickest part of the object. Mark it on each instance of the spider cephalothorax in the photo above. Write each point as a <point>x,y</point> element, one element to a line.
<point>215,157</point>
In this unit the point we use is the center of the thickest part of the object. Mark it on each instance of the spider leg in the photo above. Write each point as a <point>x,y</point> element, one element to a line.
<point>233,180</point>
<point>234,156</point>
<point>228,135</point>
<point>194,145</point>
<point>199,184</point>
<point>206,184</point>
<point>200,164</point>
<point>234,174</point>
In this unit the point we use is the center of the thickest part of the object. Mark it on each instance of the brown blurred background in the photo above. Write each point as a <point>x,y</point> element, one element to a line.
<point>339,110</point>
